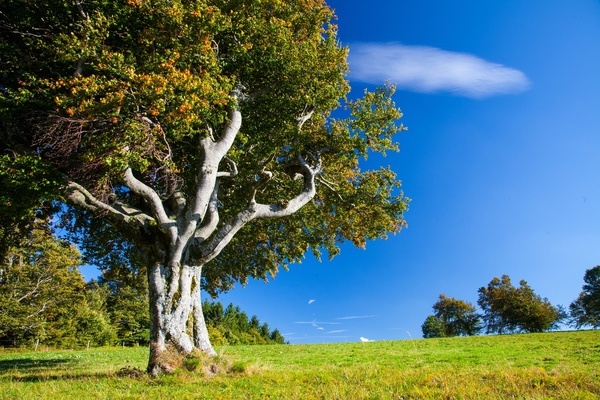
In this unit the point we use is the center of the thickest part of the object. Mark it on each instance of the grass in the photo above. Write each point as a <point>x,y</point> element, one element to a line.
<point>558,365</point>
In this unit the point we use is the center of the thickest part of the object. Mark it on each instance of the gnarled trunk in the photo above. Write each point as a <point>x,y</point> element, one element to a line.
<point>176,319</point>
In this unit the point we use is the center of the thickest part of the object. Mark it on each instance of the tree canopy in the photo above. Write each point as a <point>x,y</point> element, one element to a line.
<point>515,309</point>
<point>93,90</point>
<point>197,135</point>
<point>585,311</point>
<point>452,317</point>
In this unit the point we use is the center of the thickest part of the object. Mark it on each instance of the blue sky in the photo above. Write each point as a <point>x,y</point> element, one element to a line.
<point>501,161</point>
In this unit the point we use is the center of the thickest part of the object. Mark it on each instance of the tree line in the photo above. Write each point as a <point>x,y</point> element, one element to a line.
<point>46,301</point>
<point>509,309</point>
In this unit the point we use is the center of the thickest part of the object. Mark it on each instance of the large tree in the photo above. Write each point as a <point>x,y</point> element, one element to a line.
<point>198,135</point>
<point>508,308</point>
<point>586,309</point>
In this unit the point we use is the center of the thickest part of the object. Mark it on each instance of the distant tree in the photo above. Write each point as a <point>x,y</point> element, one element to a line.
<point>585,311</point>
<point>433,327</point>
<point>127,303</point>
<point>231,326</point>
<point>510,309</point>
<point>94,320</point>
<point>453,317</point>
<point>94,327</point>
<point>42,295</point>
<point>277,337</point>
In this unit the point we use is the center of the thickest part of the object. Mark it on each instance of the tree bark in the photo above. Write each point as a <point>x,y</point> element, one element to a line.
<point>177,321</point>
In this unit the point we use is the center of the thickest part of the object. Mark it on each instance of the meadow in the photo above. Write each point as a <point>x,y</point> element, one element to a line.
<point>557,365</point>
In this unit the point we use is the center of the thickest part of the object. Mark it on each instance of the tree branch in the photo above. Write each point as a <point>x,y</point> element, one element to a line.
<point>147,193</point>
<point>211,219</point>
<point>118,213</point>
<point>213,153</point>
<point>178,203</point>
<point>306,114</point>
<point>254,211</point>
<point>265,177</point>
<point>231,129</point>
<point>81,197</point>
<point>233,169</point>
<point>286,208</point>
<point>225,234</point>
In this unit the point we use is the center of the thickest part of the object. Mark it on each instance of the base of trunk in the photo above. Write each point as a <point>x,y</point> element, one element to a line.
<point>167,359</point>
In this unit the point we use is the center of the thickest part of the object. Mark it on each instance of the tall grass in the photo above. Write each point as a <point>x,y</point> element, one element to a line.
<point>559,365</point>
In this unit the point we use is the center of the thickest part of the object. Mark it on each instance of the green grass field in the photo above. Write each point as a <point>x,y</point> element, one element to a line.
<point>559,365</point>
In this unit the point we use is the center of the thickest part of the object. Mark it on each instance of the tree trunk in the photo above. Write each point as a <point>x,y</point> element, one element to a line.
<point>177,325</point>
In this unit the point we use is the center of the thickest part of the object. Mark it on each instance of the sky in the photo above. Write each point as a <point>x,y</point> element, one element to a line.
<point>501,161</point>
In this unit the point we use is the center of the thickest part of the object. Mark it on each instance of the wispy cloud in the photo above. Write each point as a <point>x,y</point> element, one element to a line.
<point>337,331</point>
<point>317,323</point>
<point>429,69</point>
<point>311,301</point>
<point>356,317</point>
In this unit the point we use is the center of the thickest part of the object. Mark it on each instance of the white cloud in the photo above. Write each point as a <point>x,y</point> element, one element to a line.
<point>337,331</point>
<point>365,340</point>
<point>311,301</point>
<point>429,69</point>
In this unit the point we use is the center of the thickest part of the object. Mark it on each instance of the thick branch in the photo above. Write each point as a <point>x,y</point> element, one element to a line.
<point>213,153</point>
<point>211,219</point>
<point>119,214</point>
<point>225,234</point>
<point>287,208</point>
<point>230,131</point>
<point>254,211</point>
<point>147,193</point>
<point>79,196</point>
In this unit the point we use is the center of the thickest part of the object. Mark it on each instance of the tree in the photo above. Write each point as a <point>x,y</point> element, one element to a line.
<point>433,327</point>
<point>586,309</point>
<point>125,307</point>
<point>510,309</point>
<point>197,134</point>
<point>127,300</point>
<point>42,294</point>
<point>231,326</point>
<point>452,317</point>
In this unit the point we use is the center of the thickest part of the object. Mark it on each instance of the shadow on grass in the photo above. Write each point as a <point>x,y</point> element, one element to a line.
<point>35,370</point>
<point>29,364</point>
<point>45,377</point>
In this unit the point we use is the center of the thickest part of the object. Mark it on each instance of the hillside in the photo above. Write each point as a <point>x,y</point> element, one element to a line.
<point>559,365</point>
